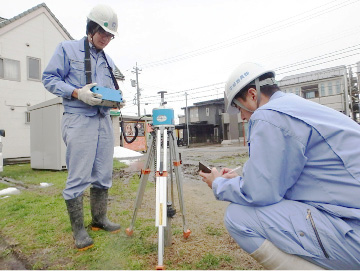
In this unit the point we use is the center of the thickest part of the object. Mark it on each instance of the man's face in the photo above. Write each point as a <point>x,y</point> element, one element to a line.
<point>245,115</point>
<point>101,39</point>
<point>250,103</point>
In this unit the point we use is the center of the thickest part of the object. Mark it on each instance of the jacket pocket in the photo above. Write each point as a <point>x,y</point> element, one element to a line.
<point>306,235</point>
<point>76,74</point>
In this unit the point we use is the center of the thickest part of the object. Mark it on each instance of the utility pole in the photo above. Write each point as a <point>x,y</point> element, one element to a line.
<point>136,71</point>
<point>350,90</point>
<point>347,103</point>
<point>187,119</point>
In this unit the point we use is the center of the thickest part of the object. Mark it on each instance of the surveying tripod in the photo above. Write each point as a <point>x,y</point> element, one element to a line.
<point>157,153</point>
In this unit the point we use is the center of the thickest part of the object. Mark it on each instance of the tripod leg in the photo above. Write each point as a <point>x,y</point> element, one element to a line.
<point>177,163</point>
<point>142,184</point>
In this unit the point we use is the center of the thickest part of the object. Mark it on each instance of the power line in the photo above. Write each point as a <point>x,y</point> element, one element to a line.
<point>211,95</point>
<point>263,32</point>
<point>341,51</point>
<point>335,53</point>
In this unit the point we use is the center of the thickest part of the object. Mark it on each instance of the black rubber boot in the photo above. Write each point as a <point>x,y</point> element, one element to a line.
<point>81,237</point>
<point>98,204</point>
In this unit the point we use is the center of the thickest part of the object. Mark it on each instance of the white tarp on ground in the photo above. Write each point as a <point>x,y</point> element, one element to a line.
<point>123,153</point>
<point>126,155</point>
<point>9,191</point>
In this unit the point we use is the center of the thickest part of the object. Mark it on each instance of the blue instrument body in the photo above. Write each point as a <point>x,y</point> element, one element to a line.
<point>163,116</point>
<point>108,94</point>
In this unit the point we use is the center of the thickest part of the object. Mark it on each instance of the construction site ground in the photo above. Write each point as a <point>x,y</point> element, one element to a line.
<point>204,213</point>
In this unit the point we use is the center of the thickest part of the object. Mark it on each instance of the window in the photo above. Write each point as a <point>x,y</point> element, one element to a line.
<point>290,90</point>
<point>33,68</point>
<point>338,87</point>
<point>297,91</point>
<point>330,91</point>
<point>9,69</point>
<point>323,93</point>
<point>310,95</point>
<point>207,111</point>
<point>27,117</point>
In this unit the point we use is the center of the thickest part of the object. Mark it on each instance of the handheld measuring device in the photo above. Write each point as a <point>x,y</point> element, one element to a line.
<point>110,97</point>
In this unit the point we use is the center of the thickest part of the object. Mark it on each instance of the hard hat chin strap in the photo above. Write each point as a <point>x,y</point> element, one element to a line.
<point>258,88</point>
<point>241,105</point>
<point>258,84</point>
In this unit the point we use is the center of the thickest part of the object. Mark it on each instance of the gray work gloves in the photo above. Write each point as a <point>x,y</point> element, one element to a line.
<point>89,97</point>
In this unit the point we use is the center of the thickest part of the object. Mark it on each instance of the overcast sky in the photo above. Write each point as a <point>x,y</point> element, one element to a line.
<point>193,45</point>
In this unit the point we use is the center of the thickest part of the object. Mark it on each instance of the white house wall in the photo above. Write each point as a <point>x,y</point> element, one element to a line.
<point>34,35</point>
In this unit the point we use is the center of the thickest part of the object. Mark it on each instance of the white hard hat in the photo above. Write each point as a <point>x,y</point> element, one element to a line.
<point>105,16</point>
<point>241,77</point>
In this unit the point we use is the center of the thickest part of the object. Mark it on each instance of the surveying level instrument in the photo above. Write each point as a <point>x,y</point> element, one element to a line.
<point>163,133</point>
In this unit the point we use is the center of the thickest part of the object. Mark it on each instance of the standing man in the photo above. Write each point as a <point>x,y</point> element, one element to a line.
<point>86,127</point>
<point>297,205</point>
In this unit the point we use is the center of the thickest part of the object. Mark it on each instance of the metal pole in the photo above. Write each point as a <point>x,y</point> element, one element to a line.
<point>346,94</point>
<point>187,120</point>
<point>350,90</point>
<point>138,94</point>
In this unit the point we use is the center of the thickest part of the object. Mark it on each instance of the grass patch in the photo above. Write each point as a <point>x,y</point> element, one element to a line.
<point>213,231</point>
<point>211,262</point>
<point>231,161</point>
<point>37,222</point>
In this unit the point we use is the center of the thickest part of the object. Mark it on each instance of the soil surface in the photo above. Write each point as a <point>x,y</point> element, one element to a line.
<point>203,214</point>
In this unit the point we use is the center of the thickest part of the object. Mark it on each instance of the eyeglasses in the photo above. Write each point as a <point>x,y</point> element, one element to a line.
<point>105,34</point>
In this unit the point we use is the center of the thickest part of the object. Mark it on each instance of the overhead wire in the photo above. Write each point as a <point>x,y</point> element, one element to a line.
<point>289,66</point>
<point>253,35</point>
<point>171,99</point>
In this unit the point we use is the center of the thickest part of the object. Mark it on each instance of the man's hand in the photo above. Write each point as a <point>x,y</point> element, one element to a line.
<point>228,173</point>
<point>89,97</point>
<point>210,177</point>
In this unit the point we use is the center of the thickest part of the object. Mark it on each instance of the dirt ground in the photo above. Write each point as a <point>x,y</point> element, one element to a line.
<point>203,213</point>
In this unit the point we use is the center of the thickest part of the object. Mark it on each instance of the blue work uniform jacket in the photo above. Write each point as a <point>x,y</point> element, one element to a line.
<point>66,72</point>
<point>302,151</point>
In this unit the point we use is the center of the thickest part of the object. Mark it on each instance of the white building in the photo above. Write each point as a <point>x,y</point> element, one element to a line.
<point>328,87</point>
<point>27,43</point>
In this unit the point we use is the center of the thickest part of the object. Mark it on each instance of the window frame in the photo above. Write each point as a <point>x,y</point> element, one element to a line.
<point>207,111</point>
<point>27,117</point>
<point>2,76</point>
<point>28,58</point>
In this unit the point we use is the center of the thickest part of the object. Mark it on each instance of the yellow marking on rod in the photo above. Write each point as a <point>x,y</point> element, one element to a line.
<point>161,214</point>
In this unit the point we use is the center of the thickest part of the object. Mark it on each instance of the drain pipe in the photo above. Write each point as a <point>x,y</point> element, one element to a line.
<point>2,134</point>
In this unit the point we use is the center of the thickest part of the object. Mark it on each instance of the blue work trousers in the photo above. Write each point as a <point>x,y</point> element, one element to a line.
<point>292,227</point>
<point>89,153</point>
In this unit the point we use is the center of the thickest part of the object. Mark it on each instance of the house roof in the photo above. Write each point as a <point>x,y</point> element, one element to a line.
<point>312,76</point>
<point>209,102</point>
<point>3,22</point>
<point>214,101</point>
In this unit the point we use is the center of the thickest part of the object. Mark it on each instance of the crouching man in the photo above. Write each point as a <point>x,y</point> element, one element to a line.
<point>297,205</point>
